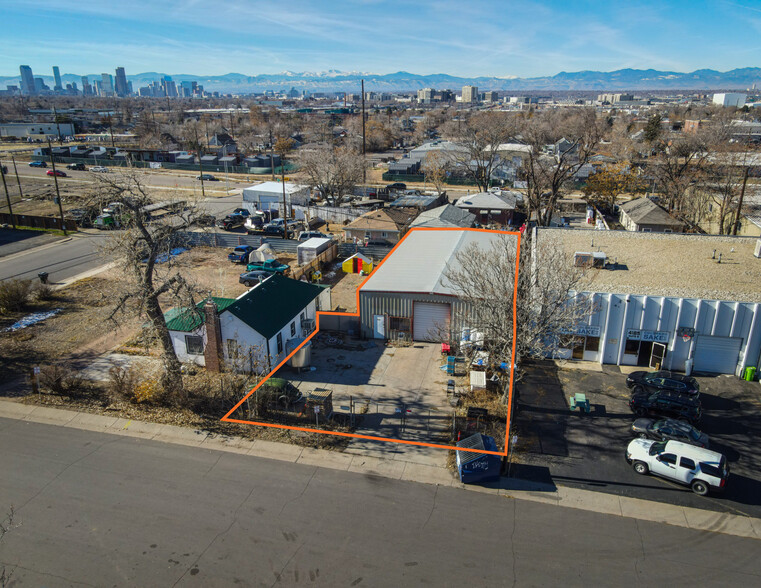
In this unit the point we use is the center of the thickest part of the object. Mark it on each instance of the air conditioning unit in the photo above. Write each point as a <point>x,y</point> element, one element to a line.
<point>308,325</point>
<point>589,259</point>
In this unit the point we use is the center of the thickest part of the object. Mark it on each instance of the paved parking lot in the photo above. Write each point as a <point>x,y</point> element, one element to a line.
<point>587,450</point>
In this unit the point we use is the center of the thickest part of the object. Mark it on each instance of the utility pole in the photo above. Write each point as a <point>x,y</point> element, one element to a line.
<point>200,169</point>
<point>18,180</point>
<point>232,126</point>
<point>57,126</point>
<point>272,159</point>
<point>736,224</point>
<point>57,191</point>
<point>364,161</point>
<point>8,197</point>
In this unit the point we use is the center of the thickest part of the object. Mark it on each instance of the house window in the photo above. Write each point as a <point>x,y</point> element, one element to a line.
<point>194,345</point>
<point>302,316</point>
<point>384,234</point>
<point>279,343</point>
<point>645,230</point>
<point>632,347</point>
<point>399,323</point>
<point>233,350</point>
<point>293,329</point>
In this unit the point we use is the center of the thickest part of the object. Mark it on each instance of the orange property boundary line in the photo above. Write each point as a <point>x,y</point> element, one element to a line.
<point>228,419</point>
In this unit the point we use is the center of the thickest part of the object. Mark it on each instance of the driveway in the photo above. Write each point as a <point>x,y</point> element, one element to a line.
<point>397,393</point>
<point>587,450</point>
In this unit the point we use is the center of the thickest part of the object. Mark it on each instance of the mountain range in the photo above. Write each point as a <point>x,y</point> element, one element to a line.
<point>338,81</point>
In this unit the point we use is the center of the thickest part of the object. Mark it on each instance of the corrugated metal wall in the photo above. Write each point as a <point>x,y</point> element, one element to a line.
<point>618,312</point>
<point>401,305</point>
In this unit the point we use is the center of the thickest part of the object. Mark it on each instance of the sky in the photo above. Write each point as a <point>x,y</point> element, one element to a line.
<point>465,38</point>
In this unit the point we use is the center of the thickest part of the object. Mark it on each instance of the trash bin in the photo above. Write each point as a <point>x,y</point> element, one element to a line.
<point>43,277</point>
<point>750,374</point>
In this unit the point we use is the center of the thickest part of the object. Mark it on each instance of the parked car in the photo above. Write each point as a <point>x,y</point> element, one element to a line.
<point>397,186</point>
<point>277,229</point>
<point>268,265</point>
<point>56,172</point>
<point>662,380</point>
<point>207,178</point>
<point>240,254</point>
<point>37,164</point>
<point>253,278</point>
<point>77,166</point>
<point>230,222</point>
<point>306,235</point>
<point>254,224</point>
<point>668,430</point>
<point>99,169</point>
<point>666,404</point>
<point>700,469</point>
<point>242,211</point>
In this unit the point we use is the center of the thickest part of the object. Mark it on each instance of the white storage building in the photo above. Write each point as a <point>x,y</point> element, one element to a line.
<point>269,196</point>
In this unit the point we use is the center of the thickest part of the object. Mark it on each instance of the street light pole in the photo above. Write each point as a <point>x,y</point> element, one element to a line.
<point>57,191</point>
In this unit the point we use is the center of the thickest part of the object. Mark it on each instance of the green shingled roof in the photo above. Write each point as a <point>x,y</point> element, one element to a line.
<point>189,319</point>
<point>269,306</point>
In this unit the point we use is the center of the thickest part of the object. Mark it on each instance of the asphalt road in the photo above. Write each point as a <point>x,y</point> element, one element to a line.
<point>61,259</point>
<point>152,179</point>
<point>101,510</point>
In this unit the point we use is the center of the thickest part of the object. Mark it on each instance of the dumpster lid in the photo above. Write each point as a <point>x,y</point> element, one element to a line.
<point>473,442</point>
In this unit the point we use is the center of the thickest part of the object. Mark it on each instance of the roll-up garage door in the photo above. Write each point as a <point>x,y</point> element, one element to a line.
<point>718,355</point>
<point>430,318</point>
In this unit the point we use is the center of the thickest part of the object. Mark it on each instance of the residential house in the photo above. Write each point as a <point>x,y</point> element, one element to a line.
<point>379,226</point>
<point>444,217</point>
<point>248,333</point>
<point>224,144</point>
<point>644,215</point>
<point>491,207</point>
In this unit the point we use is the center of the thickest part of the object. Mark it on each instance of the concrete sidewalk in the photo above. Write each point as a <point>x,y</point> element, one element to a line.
<point>510,488</point>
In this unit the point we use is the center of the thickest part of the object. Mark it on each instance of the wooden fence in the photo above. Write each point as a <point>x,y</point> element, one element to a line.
<point>38,222</point>
<point>306,270</point>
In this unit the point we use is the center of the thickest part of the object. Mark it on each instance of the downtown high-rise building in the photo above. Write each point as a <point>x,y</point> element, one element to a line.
<point>106,84</point>
<point>470,94</point>
<point>57,75</point>
<point>27,81</point>
<point>121,82</point>
<point>86,87</point>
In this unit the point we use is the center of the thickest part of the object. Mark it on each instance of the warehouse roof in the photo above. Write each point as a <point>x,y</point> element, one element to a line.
<point>664,264</point>
<point>490,200</point>
<point>275,188</point>
<point>419,262</point>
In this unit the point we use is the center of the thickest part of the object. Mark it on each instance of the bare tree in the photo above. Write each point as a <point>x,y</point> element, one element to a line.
<point>560,144</point>
<point>478,140</point>
<point>484,278</point>
<point>435,167</point>
<point>144,251</point>
<point>332,171</point>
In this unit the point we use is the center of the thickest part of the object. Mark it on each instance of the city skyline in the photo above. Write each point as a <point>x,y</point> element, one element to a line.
<point>521,39</point>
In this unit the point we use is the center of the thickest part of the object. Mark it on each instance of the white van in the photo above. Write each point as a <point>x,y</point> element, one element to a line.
<point>700,469</point>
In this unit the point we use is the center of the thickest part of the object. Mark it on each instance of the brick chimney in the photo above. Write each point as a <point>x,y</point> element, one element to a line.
<point>213,351</point>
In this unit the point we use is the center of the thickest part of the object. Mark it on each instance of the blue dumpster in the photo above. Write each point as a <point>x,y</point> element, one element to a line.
<point>476,467</point>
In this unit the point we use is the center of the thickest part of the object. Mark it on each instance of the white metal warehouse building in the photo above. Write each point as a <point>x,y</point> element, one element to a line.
<point>666,300</point>
<point>408,297</point>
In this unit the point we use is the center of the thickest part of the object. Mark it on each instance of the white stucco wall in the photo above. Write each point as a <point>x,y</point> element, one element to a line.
<point>178,340</point>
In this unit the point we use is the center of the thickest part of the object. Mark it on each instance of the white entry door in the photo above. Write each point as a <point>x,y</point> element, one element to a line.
<point>379,326</point>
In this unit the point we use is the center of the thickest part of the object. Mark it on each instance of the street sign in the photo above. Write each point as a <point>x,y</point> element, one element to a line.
<point>316,409</point>
<point>36,370</point>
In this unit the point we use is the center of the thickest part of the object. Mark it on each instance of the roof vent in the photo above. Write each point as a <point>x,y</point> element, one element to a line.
<point>589,259</point>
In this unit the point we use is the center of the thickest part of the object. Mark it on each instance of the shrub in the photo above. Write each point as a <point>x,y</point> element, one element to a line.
<point>14,295</point>
<point>62,381</point>
<point>44,292</point>
<point>147,391</point>
<point>123,382</point>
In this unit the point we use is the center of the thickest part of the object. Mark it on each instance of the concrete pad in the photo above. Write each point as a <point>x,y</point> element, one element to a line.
<point>229,444</point>
<point>378,466</point>
<point>130,428</point>
<point>590,366</point>
<point>658,512</point>
<point>92,422</point>
<point>325,459</point>
<point>180,435</point>
<point>427,474</point>
<point>589,500</point>
<point>50,416</point>
<point>272,450</point>
<point>15,410</point>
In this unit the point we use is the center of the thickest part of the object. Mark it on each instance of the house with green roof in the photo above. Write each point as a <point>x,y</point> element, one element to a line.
<point>251,332</point>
